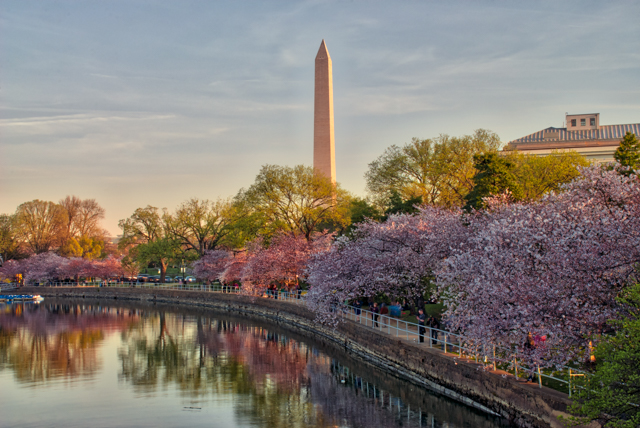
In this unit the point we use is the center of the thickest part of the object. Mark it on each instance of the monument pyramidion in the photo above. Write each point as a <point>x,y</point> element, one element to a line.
<point>324,157</point>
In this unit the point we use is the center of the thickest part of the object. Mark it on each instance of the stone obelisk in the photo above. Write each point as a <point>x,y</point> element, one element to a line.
<point>324,156</point>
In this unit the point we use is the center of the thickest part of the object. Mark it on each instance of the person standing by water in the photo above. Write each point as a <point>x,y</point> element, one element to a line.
<point>395,310</point>
<point>421,322</point>
<point>357,305</point>
<point>375,310</point>
<point>384,311</point>
<point>530,345</point>
<point>435,325</point>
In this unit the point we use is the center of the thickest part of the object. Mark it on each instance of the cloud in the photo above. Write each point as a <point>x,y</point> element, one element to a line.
<point>105,76</point>
<point>70,124</point>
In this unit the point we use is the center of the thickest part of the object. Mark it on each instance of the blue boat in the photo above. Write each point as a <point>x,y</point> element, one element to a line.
<point>21,297</point>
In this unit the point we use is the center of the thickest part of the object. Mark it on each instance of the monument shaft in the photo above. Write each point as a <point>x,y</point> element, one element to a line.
<point>324,158</point>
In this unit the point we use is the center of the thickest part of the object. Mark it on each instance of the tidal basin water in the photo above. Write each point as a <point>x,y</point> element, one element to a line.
<point>91,364</point>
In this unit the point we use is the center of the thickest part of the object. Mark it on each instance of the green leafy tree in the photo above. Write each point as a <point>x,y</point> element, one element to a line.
<point>160,252</point>
<point>439,170</point>
<point>495,176</point>
<point>145,235</point>
<point>539,175</point>
<point>84,246</point>
<point>248,224</point>
<point>130,265</point>
<point>628,154</point>
<point>295,199</point>
<point>611,395</point>
<point>397,205</point>
<point>359,211</point>
<point>201,225</point>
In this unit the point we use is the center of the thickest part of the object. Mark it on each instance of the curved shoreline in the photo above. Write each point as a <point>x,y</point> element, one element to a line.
<point>523,405</point>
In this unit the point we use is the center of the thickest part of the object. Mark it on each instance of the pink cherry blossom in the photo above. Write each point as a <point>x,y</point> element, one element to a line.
<point>284,261</point>
<point>212,265</point>
<point>109,267</point>
<point>76,267</point>
<point>397,258</point>
<point>234,268</point>
<point>11,269</point>
<point>43,267</point>
<point>551,268</point>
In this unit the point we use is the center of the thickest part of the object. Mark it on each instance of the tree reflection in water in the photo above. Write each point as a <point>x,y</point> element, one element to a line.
<point>46,342</point>
<point>268,378</point>
<point>272,379</point>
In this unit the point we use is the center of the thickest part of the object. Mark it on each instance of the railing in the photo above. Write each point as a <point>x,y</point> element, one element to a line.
<point>8,286</point>
<point>213,288</point>
<point>492,357</point>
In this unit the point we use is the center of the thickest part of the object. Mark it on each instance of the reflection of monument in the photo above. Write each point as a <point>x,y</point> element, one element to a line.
<point>324,157</point>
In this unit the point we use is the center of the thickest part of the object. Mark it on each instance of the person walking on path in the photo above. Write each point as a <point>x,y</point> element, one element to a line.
<point>375,310</point>
<point>421,322</point>
<point>435,325</point>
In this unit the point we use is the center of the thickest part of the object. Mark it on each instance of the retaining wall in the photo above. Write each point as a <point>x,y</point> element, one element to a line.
<point>524,405</point>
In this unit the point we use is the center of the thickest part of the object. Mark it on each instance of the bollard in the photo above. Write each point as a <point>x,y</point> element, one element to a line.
<point>494,358</point>
<point>539,377</point>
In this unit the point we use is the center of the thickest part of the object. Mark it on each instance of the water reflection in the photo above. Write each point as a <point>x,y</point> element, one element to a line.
<point>41,343</point>
<point>269,378</point>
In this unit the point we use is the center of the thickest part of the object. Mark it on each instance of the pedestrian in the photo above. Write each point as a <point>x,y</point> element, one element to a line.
<point>384,311</point>
<point>529,342</point>
<point>435,325</point>
<point>358,305</point>
<point>375,311</point>
<point>421,322</point>
<point>395,310</point>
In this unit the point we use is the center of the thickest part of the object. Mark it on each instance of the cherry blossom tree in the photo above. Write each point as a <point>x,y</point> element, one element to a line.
<point>77,267</point>
<point>50,266</point>
<point>551,268</point>
<point>235,267</point>
<point>11,269</point>
<point>108,267</point>
<point>284,261</point>
<point>397,258</point>
<point>43,267</point>
<point>212,265</point>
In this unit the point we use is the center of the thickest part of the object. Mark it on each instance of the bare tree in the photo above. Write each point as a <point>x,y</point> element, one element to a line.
<point>83,217</point>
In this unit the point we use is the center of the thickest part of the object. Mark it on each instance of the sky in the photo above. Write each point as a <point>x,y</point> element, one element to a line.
<point>137,103</point>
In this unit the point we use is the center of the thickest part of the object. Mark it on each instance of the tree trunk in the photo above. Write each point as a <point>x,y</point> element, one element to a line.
<point>419,302</point>
<point>163,270</point>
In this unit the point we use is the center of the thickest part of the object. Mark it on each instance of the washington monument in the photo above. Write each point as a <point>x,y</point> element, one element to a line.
<point>324,156</point>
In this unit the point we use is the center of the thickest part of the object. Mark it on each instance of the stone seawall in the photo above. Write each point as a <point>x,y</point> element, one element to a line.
<point>524,405</point>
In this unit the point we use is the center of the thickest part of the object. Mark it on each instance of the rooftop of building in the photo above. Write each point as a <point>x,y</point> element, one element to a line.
<point>594,135</point>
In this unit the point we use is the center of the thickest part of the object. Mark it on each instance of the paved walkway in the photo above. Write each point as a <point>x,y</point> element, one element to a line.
<point>409,333</point>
